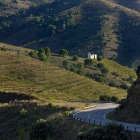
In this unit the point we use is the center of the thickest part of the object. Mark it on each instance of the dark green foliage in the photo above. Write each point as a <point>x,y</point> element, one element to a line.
<point>41,130</point>
<point>105,71</point>
<point>124,86</point>
<point>73,69</point>
<point>99,79</point>
<point>114,99</point>
<point>75,58</point>
<point>110,131</point>
<point>108,98</point>
<point>105,98</point>
<point>47,52</point>
<point>66,64</point>
<point>33,54</point>
<point>63,52</point>
<point>43,57</point>
<point>100,65</point>
<point>88,62</point>
<point>100,58</point>
<point>81,72</point>
<point>80,66</point>
<point>41,51</point>
<point>3,49</point>
<point>138,71</point>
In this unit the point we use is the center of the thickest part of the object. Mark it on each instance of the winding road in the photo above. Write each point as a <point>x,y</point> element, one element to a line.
<point>97,116</point>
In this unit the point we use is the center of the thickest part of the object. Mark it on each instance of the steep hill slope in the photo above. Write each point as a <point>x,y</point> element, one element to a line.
<point>21,74</point>
<point>100,26</point>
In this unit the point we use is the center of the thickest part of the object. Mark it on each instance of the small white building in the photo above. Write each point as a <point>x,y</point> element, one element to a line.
<point>92,56</point>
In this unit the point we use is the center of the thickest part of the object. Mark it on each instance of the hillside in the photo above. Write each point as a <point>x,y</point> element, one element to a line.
<point>22,74</point>
<point>106,27</point>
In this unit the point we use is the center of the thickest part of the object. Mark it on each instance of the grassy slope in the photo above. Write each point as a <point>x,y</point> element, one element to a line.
<point>91,20</point>
<point>23,74</point>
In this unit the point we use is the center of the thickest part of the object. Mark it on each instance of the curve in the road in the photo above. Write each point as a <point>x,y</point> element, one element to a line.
<point>97,116</point>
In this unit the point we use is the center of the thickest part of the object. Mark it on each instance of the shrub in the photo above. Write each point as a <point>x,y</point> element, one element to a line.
<point>23,111</point>
<point>33,54</point>
<point>80,66</point>
<point>3,49</point>
<point>66,64</point>
<point>105,98</point>
<point>42,130</point>
<point>124,86</point>
<point>43,57</point>
<point>114,99</point>
<point>100,58</point>
<point>105,71</point>
<point>99,79</point>
<point>81,72</point>
<point>63,52</point>
<point>110,131</point>
<point>47,52</point>
<point>100,65</point>
<point>66,113</point>
<point>88,62</point>
<point>73,69</point>
<point>75,58</point>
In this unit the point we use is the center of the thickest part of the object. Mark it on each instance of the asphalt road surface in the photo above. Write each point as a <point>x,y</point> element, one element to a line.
<point>97,116</point>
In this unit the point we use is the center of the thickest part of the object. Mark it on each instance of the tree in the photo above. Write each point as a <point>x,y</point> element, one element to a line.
<point>110,131</point>
<point>88,62</point>
<point>47,52</point>
<point>66,64</point>
<point>81,72</point>
<point>99,79</point>
<point>42,130</point>
<point>75,58</point>
<point>100,58</point>
<point>104,71</point>
<point>100,65</point>
<point>63,52</point>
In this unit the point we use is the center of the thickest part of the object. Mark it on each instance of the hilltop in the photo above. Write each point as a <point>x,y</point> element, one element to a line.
<point>106,27</point>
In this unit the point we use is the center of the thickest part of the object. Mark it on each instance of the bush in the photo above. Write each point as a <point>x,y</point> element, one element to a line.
<point>89,62</point>
<point>100,58</point>
<point>42,130</point>
<point>100,65</point>
<point>99,79</point>
<point>3,49</point>
<point>66,64</point>
<point>23,111</point>
<point>124,86</point>
<point>105,71</point>
<point>105,98</point>
<point>63,52</point>
<point>108,98</point>
<point>81,72</point>
<point>43,57</point>
<point>33,54</point>
<point>110,131</point>
<point>73,69</point>
<point>114,99</point>
<point>75,58</point>
<point>80,66</point>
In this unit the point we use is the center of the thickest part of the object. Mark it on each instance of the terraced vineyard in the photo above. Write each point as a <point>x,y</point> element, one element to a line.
<point>22,74</point>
